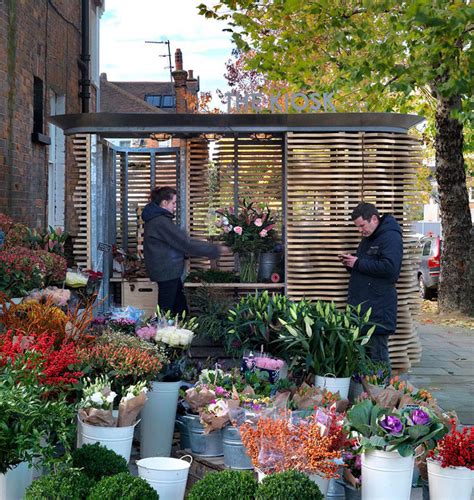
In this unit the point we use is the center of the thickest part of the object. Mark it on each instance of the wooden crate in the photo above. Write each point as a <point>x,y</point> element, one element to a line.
<point>141,293</point>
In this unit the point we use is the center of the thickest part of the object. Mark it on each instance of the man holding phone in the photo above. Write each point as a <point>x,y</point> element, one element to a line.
<point>375,270</point>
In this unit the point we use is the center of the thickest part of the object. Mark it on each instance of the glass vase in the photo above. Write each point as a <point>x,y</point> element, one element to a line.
<point>248,267</point>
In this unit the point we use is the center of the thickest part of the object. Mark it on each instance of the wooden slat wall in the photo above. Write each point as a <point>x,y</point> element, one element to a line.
<point>81,147</point>
<point>327,175</point>
<point>138,189</point>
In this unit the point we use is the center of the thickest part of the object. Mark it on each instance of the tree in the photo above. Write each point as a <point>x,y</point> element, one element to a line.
<point>380,55</point>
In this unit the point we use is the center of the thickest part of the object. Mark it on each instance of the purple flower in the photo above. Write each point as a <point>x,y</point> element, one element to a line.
<point>420,417</point>
<point>391,424</point>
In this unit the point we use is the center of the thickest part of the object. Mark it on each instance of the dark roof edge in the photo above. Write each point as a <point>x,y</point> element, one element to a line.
<point>142,124</point>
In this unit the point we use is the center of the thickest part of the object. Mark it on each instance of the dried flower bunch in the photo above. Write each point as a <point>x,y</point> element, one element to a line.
<point>278,444</point>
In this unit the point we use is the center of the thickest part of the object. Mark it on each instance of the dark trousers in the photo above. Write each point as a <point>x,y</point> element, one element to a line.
<point>378,347</point>
<point>171,296</point>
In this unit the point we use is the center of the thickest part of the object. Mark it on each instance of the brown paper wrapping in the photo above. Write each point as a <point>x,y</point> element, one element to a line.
<point>129,410</point>
<point>309,398</point>
<point>99,418</point>
<point>214,423</point>
<point>199,399</point>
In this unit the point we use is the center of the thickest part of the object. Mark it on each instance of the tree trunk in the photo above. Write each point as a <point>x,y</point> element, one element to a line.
<point>455,290</point>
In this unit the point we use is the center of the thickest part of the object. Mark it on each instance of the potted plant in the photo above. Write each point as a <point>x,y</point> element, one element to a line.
<point>32,425</point>
<point>240,485</point>
<point>387,439</point>
<point>451,465</point>
<point>21,270</point>
<point>326,341</point>
<point>122,485</point>
<point>288,484</point>
<point>376,373</point>
<point>97,461</point>
<point>249,231</point>
<point>64,483</point>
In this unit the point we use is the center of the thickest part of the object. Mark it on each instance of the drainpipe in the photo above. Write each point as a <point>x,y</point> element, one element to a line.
<point>84,61</point>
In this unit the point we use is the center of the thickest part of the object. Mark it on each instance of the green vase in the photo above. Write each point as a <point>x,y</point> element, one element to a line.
<point>248,267</point>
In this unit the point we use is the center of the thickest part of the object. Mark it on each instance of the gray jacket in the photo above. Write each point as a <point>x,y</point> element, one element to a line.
<point>166,245</point>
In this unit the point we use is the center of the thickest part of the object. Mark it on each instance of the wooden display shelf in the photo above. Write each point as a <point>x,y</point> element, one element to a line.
<point>251,286</point>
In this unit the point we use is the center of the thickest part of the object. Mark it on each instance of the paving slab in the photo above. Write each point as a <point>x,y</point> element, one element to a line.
<point>446,368</point>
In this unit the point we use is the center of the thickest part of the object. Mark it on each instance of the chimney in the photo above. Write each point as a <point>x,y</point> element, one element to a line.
<point>191,75</point>
<point>180,76</point>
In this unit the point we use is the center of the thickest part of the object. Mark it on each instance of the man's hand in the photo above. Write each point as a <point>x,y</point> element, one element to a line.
<point>347,259</point>
<point>223,250</point>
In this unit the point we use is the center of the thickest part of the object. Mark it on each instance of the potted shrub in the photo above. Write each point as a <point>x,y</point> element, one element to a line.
<point>123,485</point>
<point>65,484</point>
<point>326,341</point>
<point>227,484</point>
<point>451,465</point>
<point>289,484</point>
<point>98,462</point>
<point>387,439</point>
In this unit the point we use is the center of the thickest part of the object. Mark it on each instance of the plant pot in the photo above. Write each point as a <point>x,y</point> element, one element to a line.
<point>204,445</point>
<point>14,482</point>
<point>158,419</point>
<point>333,385</point>
<point>355,390</point>
<point>118,439</point>
<point>167,476</point>
<point>182,426</point>
<point>248,267</point>
<point>235,453</point>
<point>350,492</point>
<point>321,482</point>
<point>386,475</point>
<point>449,482</point>
<point>267,265</point>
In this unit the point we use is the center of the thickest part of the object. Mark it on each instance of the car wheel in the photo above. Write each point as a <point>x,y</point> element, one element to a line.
<point>425,293</point>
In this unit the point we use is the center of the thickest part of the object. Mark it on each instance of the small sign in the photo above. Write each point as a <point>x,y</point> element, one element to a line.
<point>2,239</point>
<point>104,247</point>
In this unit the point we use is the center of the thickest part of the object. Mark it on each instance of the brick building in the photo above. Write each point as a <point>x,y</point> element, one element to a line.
<point>47,67</point>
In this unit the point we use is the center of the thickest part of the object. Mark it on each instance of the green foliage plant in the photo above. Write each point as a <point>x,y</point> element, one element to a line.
<point>288,485</point>
<point>225,485</point>
<point>123,486</point>
<point>98,462</point>
<point>212,276</point>
<point>255,321</point>
<point>32,425</point>
<point>65,484</point>
<point>378,428</point>
<point>324,340</point>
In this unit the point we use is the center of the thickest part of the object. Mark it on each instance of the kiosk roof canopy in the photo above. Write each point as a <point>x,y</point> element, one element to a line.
<point>116,125</point>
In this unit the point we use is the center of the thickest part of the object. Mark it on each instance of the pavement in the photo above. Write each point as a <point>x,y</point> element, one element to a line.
<point>447,367</point>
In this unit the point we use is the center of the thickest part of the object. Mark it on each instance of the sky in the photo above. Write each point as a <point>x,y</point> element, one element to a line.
<point>126,25</point>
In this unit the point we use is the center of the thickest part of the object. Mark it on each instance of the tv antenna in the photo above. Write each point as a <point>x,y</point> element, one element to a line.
<point>170,67</point>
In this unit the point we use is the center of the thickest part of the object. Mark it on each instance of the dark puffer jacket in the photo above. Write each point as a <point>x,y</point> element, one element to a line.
<point>166,245</point>
<point>375,273</point>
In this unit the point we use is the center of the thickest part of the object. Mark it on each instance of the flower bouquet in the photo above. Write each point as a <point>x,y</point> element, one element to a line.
<point>248,232</point>
<point>263,362</point>
<point>95,407</point>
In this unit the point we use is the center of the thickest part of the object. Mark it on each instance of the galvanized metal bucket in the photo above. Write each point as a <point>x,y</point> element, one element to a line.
<point>204,445</point>
<point>182,426</point>
<point>267,265</point>
<point>235,453</point>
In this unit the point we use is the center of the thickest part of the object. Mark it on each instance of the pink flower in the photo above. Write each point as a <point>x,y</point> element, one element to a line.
<point>227,229</point>
<point>270,227</point>
<point>238,230</point>
<point>263,233</point>
<point>275,277</point>
<point>231,210</point>
<point>146,332</point>
<point>258,222</point>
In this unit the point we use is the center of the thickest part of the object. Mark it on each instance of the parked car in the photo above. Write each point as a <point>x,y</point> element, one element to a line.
<point>429,266</point>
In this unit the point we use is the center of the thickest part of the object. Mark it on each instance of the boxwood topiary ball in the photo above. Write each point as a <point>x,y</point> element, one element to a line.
<point>67,484</point>
<point>97,462</point>
<point>225,485</point>
<point>123,486</point>
<point>288,485</point>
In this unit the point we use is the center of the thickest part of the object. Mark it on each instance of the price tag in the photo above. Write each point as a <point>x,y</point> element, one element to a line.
<point>104,247</point>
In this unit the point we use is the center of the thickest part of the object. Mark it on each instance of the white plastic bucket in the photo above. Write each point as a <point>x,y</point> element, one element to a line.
<point>333,385</point>
<point>118,439</point>
<point>321,482</point>
<point>13,484</point>
<point>450,482</point>
<point>386,475</point>
<point>158,419</point>
<point>167,476</point>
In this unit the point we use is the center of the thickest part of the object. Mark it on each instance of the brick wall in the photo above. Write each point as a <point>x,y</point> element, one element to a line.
<point>42,39</point>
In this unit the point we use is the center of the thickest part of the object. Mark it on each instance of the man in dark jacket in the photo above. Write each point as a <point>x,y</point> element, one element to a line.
<point>374,272</point>
<point>165,247</point>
